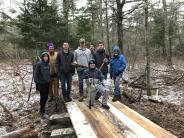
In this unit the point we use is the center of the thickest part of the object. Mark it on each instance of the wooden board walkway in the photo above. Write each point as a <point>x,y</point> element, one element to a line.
<point>143,122</point>
<point>100,124</point>
<point>80,124</point>
<point>93,123</point>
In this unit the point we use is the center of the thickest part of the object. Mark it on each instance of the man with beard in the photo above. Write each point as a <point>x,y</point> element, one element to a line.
<point>102,59</point>
<point>53,90</point>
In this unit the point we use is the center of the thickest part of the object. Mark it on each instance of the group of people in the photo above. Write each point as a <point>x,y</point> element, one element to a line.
<point>89,63</point>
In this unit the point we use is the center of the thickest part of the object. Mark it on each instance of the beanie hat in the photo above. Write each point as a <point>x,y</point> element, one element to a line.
<point>92,61</point>
<point>116,49</point>
<point>50,45</point>
<point>44,53</point>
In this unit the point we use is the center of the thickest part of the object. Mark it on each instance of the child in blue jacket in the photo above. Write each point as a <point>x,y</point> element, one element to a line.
<point>117,67</point>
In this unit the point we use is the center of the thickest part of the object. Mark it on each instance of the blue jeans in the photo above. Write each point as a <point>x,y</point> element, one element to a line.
<point>116,85</point>
<point>66,79</point>
<point>80,77</point>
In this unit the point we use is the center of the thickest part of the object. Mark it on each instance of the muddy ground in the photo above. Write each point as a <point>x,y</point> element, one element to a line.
<point>169,111</point>
<point>15,79</point>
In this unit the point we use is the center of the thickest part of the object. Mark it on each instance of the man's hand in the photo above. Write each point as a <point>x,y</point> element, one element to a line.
<point>105,60</point>
<point>117,73</point>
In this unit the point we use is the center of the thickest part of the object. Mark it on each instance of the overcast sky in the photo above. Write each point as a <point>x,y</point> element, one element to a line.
<point>15,4</point>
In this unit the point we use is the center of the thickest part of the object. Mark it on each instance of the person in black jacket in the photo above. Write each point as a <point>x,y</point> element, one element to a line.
<point>65,70</point>
<point>102,59</point>
<point>42,80</point>
<point>93,78</point>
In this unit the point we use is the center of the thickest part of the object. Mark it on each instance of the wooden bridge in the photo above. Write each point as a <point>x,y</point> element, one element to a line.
<point>97,122</point>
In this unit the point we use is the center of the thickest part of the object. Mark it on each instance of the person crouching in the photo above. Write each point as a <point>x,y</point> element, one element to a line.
<point>42,80</point>
<point>94,76</point>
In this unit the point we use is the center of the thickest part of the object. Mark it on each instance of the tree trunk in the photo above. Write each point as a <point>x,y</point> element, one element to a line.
<point>107,29</point>
<point>66,15</point>
<point>166,35</point>
<point>147,48</point>
<point>119,23</point>
<point>26,132</point>
<point>100,21</point>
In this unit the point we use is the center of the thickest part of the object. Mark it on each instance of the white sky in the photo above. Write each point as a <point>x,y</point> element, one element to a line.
<point>15,4</point>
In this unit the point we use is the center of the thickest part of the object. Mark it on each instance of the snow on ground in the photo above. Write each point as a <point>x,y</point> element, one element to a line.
<point>14,91</point>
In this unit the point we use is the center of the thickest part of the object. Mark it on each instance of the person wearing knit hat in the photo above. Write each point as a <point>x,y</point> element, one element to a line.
<point>50,45</point>
<point>53,91</point>
<point>42,80</point>
<point>93,78</point>
<point>117,67</point>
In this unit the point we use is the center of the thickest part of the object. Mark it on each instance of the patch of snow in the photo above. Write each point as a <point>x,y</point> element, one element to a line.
<point>3,130</point>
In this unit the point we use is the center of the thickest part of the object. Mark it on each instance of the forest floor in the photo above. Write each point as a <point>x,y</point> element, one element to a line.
<point>15,80</point>
<point>169,112</point>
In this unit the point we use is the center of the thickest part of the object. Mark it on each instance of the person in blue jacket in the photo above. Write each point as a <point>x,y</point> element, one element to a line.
<point>117,67</point>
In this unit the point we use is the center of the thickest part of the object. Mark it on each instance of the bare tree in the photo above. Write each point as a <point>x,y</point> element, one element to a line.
<point>166,35</point>
<point>120,6</point>
<point>107,28</point>
<point>147,48</point>
<point>100,19</point>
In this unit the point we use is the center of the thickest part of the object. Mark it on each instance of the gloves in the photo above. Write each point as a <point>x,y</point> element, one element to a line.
<point>38,87</point>
<point>117,73</point>
<point>105,60</point>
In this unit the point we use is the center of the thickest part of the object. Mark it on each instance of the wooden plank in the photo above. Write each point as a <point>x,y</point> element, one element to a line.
<point>139,131</point>
<point>80,124</point>
<point>103,127</point>
<point>62,119</point>
<point>63,133</point>
<point>154,129</point>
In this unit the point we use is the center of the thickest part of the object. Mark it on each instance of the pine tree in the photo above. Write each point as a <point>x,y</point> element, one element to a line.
<point>40,23</point>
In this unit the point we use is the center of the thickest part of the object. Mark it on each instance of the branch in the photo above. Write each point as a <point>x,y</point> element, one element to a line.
<point>132,10</point>
<point>6,110</point>
<point>113,9</point>
<point>130,1</point>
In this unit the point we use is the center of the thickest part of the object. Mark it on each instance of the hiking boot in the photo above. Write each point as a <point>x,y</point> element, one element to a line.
<point>85,95</point>
<point>98,95</point>
<point>66,99</point>
<point>116,98</point>
<point>69,99</point>
<point>44,116</point>
<point>81,98</point>
<point>105,106</point>
<point>51,99</point>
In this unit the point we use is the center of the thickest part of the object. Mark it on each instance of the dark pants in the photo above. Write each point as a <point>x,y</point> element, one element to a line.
<point>66,79</point>
<point>80,77</point>
<point>44,92</point>
<point>105,75</point>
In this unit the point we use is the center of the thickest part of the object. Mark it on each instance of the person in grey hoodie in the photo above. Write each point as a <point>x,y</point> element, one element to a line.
<point>82,56</point>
